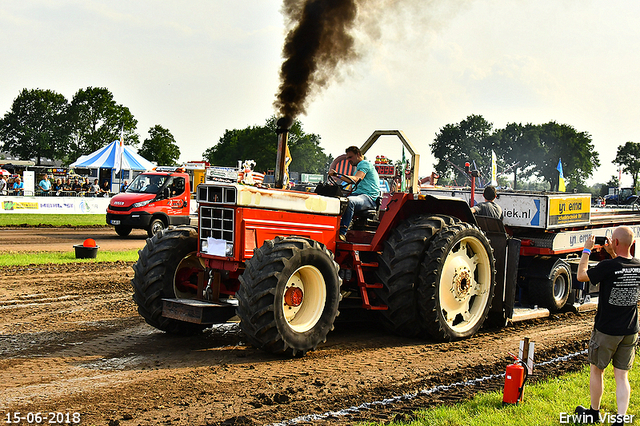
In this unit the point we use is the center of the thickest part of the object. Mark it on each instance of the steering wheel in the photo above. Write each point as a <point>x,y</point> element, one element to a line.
<point>333,181</point>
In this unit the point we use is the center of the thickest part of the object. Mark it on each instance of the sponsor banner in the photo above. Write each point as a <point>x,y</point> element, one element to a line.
<point>54,205</point>
<point>522,210</point>
<point>574,240</point>
<point>225,174</point>
<point>311,178</point>
<point>569,210</point>
<point>531,210</point>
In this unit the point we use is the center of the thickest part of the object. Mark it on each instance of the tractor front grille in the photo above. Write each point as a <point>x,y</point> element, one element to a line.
<point>217,218</point>
<point>216,222</point>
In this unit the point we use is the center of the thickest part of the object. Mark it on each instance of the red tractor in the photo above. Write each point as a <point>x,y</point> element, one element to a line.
<point>273,259</point>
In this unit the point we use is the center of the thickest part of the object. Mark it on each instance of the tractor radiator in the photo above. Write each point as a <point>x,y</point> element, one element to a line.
<point>216,213</point>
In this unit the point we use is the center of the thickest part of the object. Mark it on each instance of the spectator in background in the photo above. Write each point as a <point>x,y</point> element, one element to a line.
<point>44,184</point>
<point>76,187</point>
<point>18,186</point>
<point>3,185</point>
<point>95,188</point>
<point>124,186</point>
<point>489,207</point>
<point>105,188</point>
<point>86,185</point>
<point>67,185</point>
<point>58,186</point>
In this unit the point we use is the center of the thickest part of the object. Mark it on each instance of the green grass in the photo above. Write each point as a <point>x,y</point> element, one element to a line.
<point>542,405</point>
<point>74,220</point>
<point>21,258</point>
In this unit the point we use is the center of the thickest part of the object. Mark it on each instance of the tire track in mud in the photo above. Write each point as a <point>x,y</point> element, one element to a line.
<point>87,350</point>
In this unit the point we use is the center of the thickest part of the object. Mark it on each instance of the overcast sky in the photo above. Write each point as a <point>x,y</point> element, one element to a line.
<point>199,67</point>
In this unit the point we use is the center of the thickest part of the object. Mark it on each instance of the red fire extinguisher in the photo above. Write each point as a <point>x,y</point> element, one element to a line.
<point>514,380</point>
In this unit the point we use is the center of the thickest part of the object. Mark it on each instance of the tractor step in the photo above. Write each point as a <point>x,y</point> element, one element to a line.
<point>198,311</point>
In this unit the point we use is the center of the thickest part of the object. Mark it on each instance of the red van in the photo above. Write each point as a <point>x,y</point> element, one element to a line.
<point>153,201</point>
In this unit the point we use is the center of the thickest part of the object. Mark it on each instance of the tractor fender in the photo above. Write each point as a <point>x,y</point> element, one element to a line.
<point>399,207</point>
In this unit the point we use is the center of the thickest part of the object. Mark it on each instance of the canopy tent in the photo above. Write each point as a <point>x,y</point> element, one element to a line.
<point>105,158</point>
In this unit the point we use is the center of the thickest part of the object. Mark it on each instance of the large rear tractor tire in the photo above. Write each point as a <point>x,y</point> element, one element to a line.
<point>289,295</point>
<point>398,271</point>
<point>167,265</point>
<point>456,282</point>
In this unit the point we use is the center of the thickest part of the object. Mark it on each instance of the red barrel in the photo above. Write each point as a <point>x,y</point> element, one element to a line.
<point>513,384</point>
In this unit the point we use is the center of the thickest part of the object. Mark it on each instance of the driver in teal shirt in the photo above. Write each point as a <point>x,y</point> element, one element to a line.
<point>367,192</point>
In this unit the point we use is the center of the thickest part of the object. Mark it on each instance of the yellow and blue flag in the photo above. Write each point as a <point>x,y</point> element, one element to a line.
<point>561,186</point>
<point>287,161</point>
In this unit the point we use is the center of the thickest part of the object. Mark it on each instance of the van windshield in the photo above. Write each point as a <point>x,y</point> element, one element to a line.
<point>149,184</point>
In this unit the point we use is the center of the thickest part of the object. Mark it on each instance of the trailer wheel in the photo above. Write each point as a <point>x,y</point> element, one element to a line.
<point>553,293</point>
<point>289,294</point>
<point>398,270</point>
<point>122,230</point>
<point>155,274</point>
<point>456,282</point>
<point>155,226</point>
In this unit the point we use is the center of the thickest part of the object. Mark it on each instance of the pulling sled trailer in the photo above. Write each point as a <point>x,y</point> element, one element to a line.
<point>551,229</point>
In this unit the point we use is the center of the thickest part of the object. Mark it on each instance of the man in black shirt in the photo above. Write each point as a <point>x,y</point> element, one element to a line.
<point>615,331</point>
<point>489,207</point>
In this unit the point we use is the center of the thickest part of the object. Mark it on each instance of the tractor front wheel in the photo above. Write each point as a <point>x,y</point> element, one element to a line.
<point>289,295</point>
<point>166,266</point>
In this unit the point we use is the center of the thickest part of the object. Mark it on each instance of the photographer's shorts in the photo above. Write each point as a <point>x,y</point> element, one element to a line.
<point>604,348</point>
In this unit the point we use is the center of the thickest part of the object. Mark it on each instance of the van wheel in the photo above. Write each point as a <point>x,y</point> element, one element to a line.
<point>156,226</point>
<point>122,230</point>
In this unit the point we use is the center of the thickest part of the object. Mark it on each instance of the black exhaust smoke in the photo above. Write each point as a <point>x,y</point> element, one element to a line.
<point>317,44</point>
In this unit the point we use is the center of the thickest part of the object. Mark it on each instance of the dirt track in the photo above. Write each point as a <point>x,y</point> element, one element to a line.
<point>63,239</point>
<point>71,341</point>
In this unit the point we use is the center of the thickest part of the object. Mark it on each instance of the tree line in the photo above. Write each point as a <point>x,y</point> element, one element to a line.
<point>526,151</point>
<point>44,124</point>
<point>259,143</point>
<point>522,150</point>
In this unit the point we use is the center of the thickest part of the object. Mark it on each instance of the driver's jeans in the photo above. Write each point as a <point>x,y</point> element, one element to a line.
<point>356,204</point>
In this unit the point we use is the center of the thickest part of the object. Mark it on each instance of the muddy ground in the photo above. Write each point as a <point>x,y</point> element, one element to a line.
<point>72,342</point>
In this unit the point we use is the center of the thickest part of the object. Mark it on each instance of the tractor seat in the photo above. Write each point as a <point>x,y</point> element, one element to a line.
<point>366,214</point>
<point>367,219</point>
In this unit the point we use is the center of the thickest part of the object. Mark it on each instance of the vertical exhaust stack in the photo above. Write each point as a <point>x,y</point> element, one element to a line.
<point>284,124</point>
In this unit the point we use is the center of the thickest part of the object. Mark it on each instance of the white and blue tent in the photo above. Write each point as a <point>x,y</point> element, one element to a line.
<point>105,158</point>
